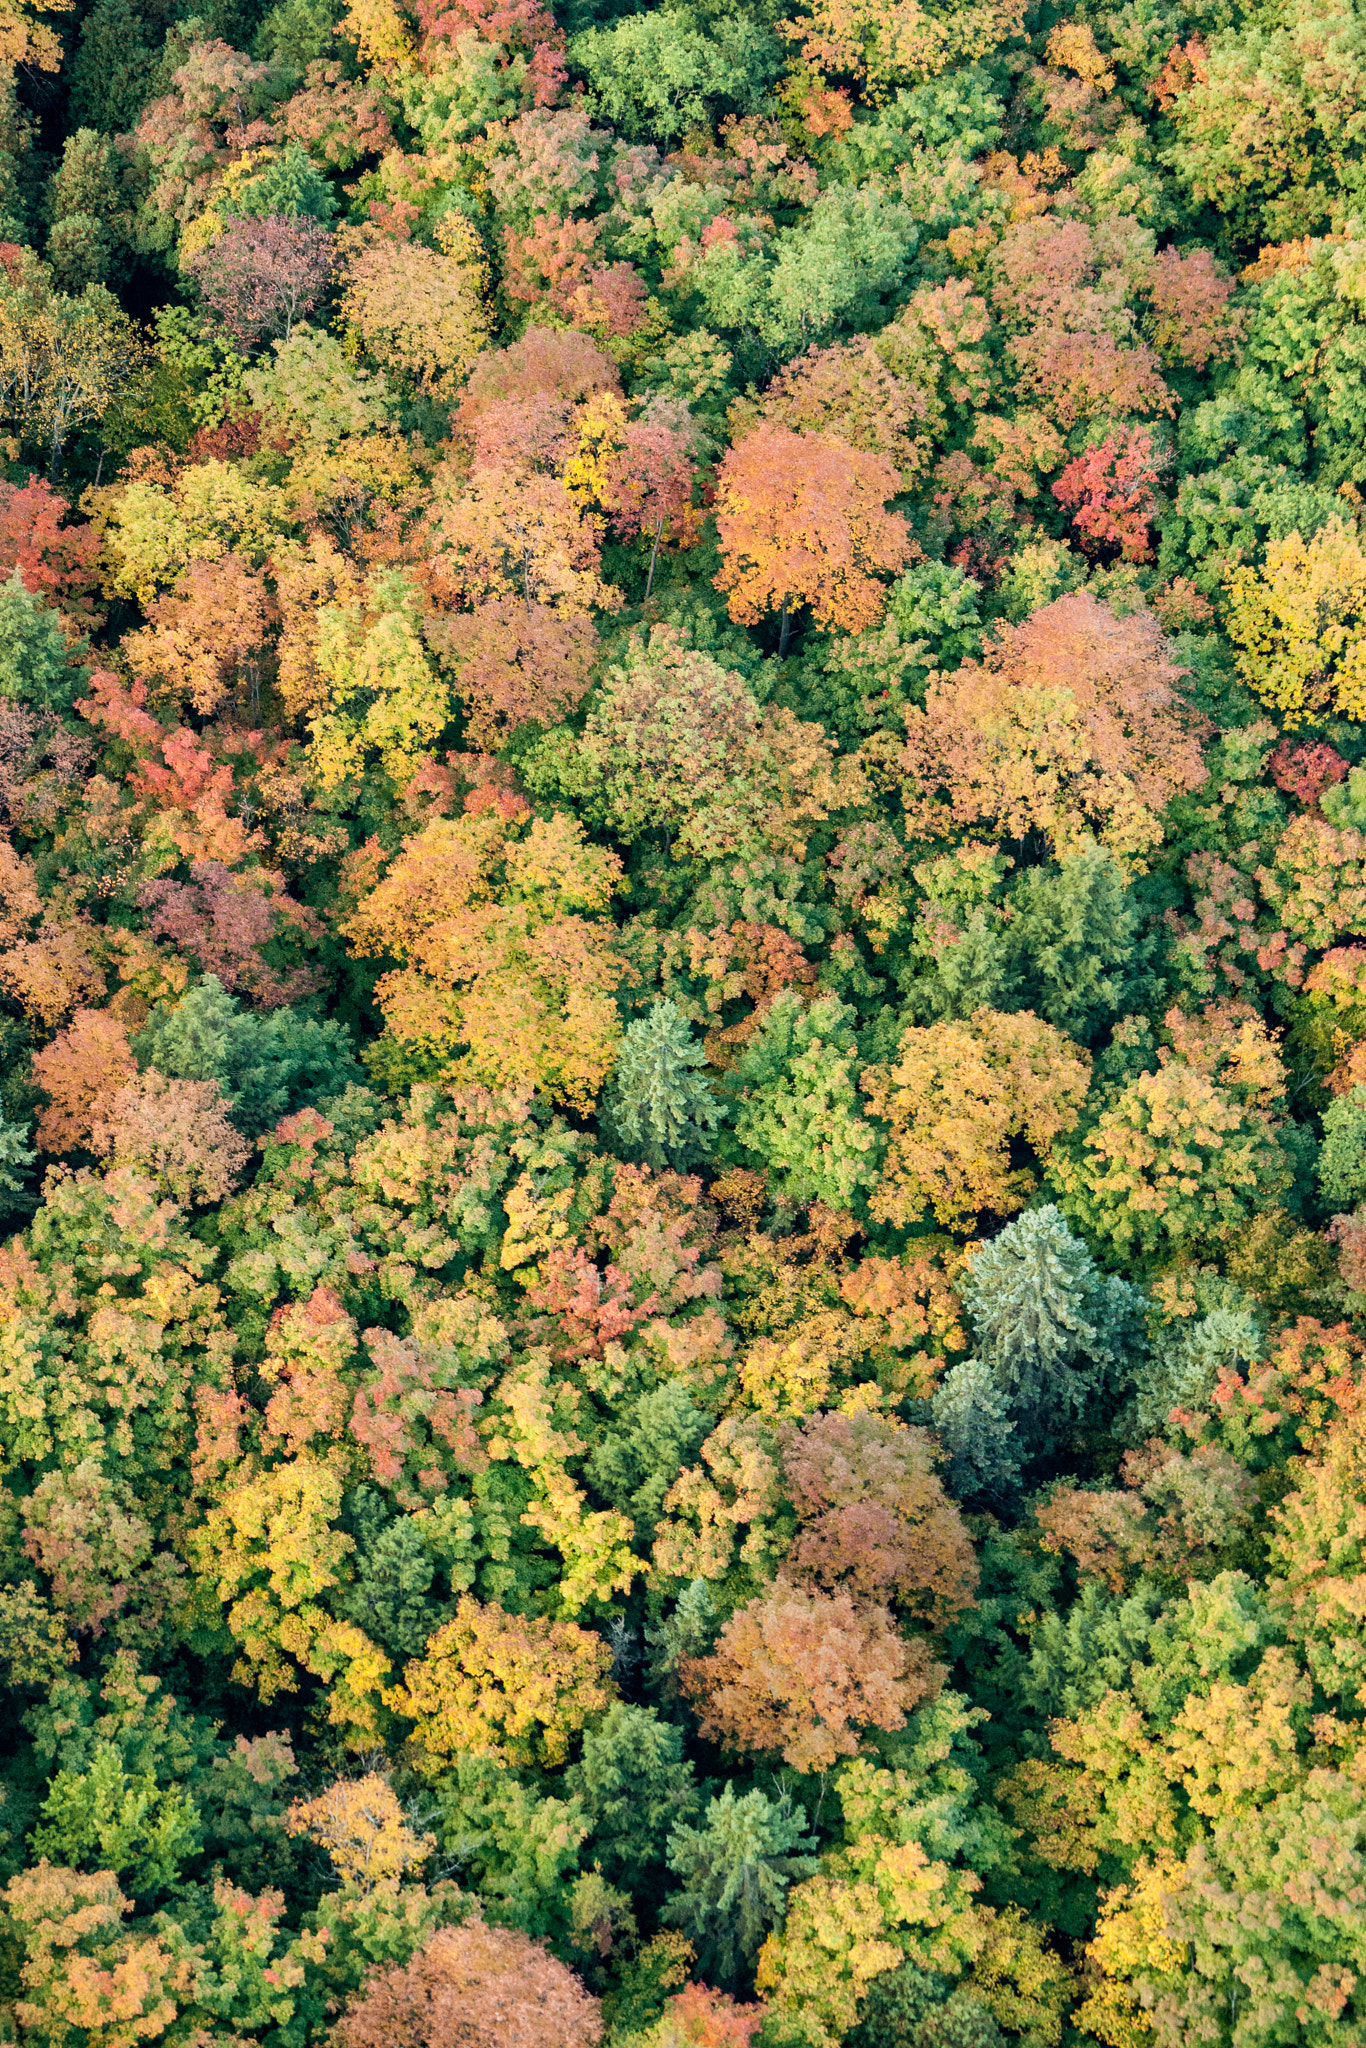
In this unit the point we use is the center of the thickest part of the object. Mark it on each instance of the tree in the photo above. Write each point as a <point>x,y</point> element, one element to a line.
<point>177,1132</point>
<point>513,661</point>
<point>657,1108</point>
<point>801,1672</point>
<point>473,1987</point>
<point>415,309</point>
<point>847,390</point>
<point>1054,1334</point>
<point>635,1785</point>
<point>1110,492</point>
<point>954,1097</point>
<point>515,533</point>
<point>1299,625</point>
<point>266,1066</point>
<point>262,276</point>
<point>735,1870</point>
<point>873,1515</point>
<point>80,1070</point>
<point>359,1822</point>
<point>206,639</point>
<point>63,360</point>
<point>54,559</point>
<point>1175,1160</point>
<point>1071,726</point>
<point>36,657</point>
<point>513,1687</point>
<point>507,959</point>
<point>796,1102</point>
<point>801,521</point>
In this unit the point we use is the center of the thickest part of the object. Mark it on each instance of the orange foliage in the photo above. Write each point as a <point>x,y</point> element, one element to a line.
<point>801,520</point>
<point>178,1132</point>
<point>508,967</point>
<point>473,1987</point>
<point>80,1072</point>
<point>1071,725</point>
<point>513,662</point>
<point>801,1672</point>
<point>875,1516</point>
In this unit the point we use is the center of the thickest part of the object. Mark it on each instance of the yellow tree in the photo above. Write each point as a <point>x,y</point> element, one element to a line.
<point>1299,625</point>
<point>955,1096</point>
<point>514,1687</point>
<point>507,963</point>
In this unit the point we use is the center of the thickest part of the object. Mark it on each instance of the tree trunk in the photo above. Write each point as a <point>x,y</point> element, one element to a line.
<point>783,626</point>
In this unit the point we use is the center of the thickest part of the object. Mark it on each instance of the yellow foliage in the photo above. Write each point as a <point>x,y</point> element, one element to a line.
<point>955,1096</point>
<point>360,1824</point>
<point>513,1687</point>
<point>383,694</point>
<point>875,1905</point>
<point>1131,1939</point>
<point>1299,625</point>
<point>507,963</point>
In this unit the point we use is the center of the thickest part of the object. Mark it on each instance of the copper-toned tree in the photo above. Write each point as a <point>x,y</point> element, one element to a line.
<point>802,519</point>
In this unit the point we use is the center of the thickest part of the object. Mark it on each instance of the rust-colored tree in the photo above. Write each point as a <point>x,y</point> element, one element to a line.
<point>1072,725</point>
<point>802,1672</point>
<point>473,1987</point>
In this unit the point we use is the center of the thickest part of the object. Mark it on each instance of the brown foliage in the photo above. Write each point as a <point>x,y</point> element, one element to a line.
<point>1175,1508</point>
<point>80,1071</point>
<point>513,662</point>
<point>802,1672</point>
<point>473,1987</point>
<point>1071,725</point>
<point>178,1132</point>
<point>874,1514</point>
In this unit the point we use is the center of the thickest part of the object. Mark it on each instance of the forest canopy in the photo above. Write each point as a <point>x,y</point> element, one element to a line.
<point>682,1024</point>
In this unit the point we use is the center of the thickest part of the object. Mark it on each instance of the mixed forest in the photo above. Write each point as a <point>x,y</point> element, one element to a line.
<point>683,1024</point>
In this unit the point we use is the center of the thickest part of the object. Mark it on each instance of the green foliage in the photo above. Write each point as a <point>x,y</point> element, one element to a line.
<point>291,184</point>
<point>664,73</point>
<point>935,602</point>
<point>658,1109</point>
<point>1342,1161</point>
<point>735,1870</point>
<point>517,1846</point>
<point>635,1785</point>
<point>796,1095</point>
<point>36,658</point>
<point>102,1818</point>
<point>267,1066</point>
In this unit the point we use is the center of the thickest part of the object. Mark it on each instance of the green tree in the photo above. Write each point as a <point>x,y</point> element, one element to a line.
<point>1342,1162</point>
<point>36,658</point>
<point>735,1870</point>
<point>657,1108</point>
<point>267,1066</point>
<point>797,1101</point>
<point>635,1785</point>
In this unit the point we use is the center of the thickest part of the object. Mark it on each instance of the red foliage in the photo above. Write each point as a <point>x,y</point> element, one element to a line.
<point>543,364</point>
<point>522,27</point>
<point>261,276</point>
<point>1307,769</point>
<point>513,662</point>
<point>1192,319</point>
<point>223,920</point>
<point>1111,493</point>
<point>54,559</point>
<point>697,2017</point>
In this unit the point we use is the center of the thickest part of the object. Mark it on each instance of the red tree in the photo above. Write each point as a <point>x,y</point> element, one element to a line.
<point>263,275</point>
